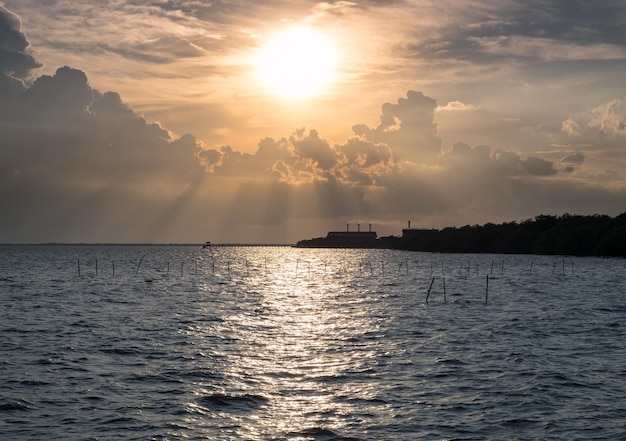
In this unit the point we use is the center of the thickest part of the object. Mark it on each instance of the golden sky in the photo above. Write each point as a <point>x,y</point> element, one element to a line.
<point>270,122</point>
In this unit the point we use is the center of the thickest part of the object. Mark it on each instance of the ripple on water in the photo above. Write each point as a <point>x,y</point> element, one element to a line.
<point>289,344</point>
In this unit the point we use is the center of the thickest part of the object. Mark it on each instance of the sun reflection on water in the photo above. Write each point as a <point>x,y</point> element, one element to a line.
<point>295,342</point>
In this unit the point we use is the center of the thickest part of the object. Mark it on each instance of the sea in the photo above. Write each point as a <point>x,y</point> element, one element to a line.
<point>171,342</point>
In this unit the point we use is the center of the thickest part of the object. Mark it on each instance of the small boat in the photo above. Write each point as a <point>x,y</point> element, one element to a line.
<point>207,244</point>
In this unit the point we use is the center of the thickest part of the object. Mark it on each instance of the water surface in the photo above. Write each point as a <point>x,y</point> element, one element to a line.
<point>277,343</point>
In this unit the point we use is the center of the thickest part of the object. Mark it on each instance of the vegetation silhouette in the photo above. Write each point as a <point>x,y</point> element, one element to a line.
<point>575,235</point>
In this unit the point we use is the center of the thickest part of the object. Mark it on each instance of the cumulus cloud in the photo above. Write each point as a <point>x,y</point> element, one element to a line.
<point>16,62</point>
<point>409,127</point>
<point>599,132</point>
<point>609,118</point>
<point>571,127</point>
<point>75,161</point>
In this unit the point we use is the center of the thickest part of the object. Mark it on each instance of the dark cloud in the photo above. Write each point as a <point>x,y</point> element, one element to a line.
<point>538,166</point>
<point>67,91</point>
<point>311,147</point>
<point>16,63</point>
<point>496,31</point>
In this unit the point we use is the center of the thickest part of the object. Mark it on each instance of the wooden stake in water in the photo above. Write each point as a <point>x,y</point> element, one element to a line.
<point>487,289</point>
<point>96,267</point>
<point>429,288</point>
<point>138,265</point>
<point>444,289</point>
<point>78,263</point>
<point>182,266</point>
<point>530,271</point>
<point>491,272</point>
<point>113,266</point>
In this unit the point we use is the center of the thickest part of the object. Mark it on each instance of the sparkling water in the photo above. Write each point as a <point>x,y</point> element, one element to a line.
<point>278,343</point>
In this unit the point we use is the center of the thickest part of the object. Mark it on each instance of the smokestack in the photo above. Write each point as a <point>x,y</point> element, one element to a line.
<point>409,225</point>
<point>348,228</point>
<point>358,227</point>
<point>370,228</point>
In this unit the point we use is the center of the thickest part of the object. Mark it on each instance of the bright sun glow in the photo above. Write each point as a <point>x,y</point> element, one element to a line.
<point>297,63</point>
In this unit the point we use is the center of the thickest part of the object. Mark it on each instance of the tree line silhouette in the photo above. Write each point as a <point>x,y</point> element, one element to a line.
<point>576,235</point>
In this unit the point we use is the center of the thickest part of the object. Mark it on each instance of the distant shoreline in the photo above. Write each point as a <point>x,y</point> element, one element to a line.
<point>149,244</point>
<point>575,235</point>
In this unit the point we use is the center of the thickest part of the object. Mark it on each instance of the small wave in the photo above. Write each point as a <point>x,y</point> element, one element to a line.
<point>519,422</point>
<point>18,406</point>
<point>239,402</point>
<point>451,361</point>
<point>363,401</point>
<point>321,434</point>
<point>34,383</point>
<point>119,351</point>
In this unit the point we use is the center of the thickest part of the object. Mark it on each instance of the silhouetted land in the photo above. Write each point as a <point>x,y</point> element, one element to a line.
<point>576,235</point>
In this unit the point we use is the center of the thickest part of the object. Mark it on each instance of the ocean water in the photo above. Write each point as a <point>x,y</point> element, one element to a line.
<point>277,343</point>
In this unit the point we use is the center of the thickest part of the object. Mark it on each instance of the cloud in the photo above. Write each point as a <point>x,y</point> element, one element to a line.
<point>160,50</point>
<point>571,127</point>
<point>609,118</point>
<point>609,176</point>
<point>574,158</point>
<point>78,164</point>
<point>82,161</point>
<point>407,126</point>
<point>75,161</point>
<point>456,106</point>
<point>16,63</point>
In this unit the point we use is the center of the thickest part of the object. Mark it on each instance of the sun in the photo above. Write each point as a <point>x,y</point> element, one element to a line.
<point>297,63</point>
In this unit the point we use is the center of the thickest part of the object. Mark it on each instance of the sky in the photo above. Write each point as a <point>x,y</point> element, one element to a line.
<point>156,121</point>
